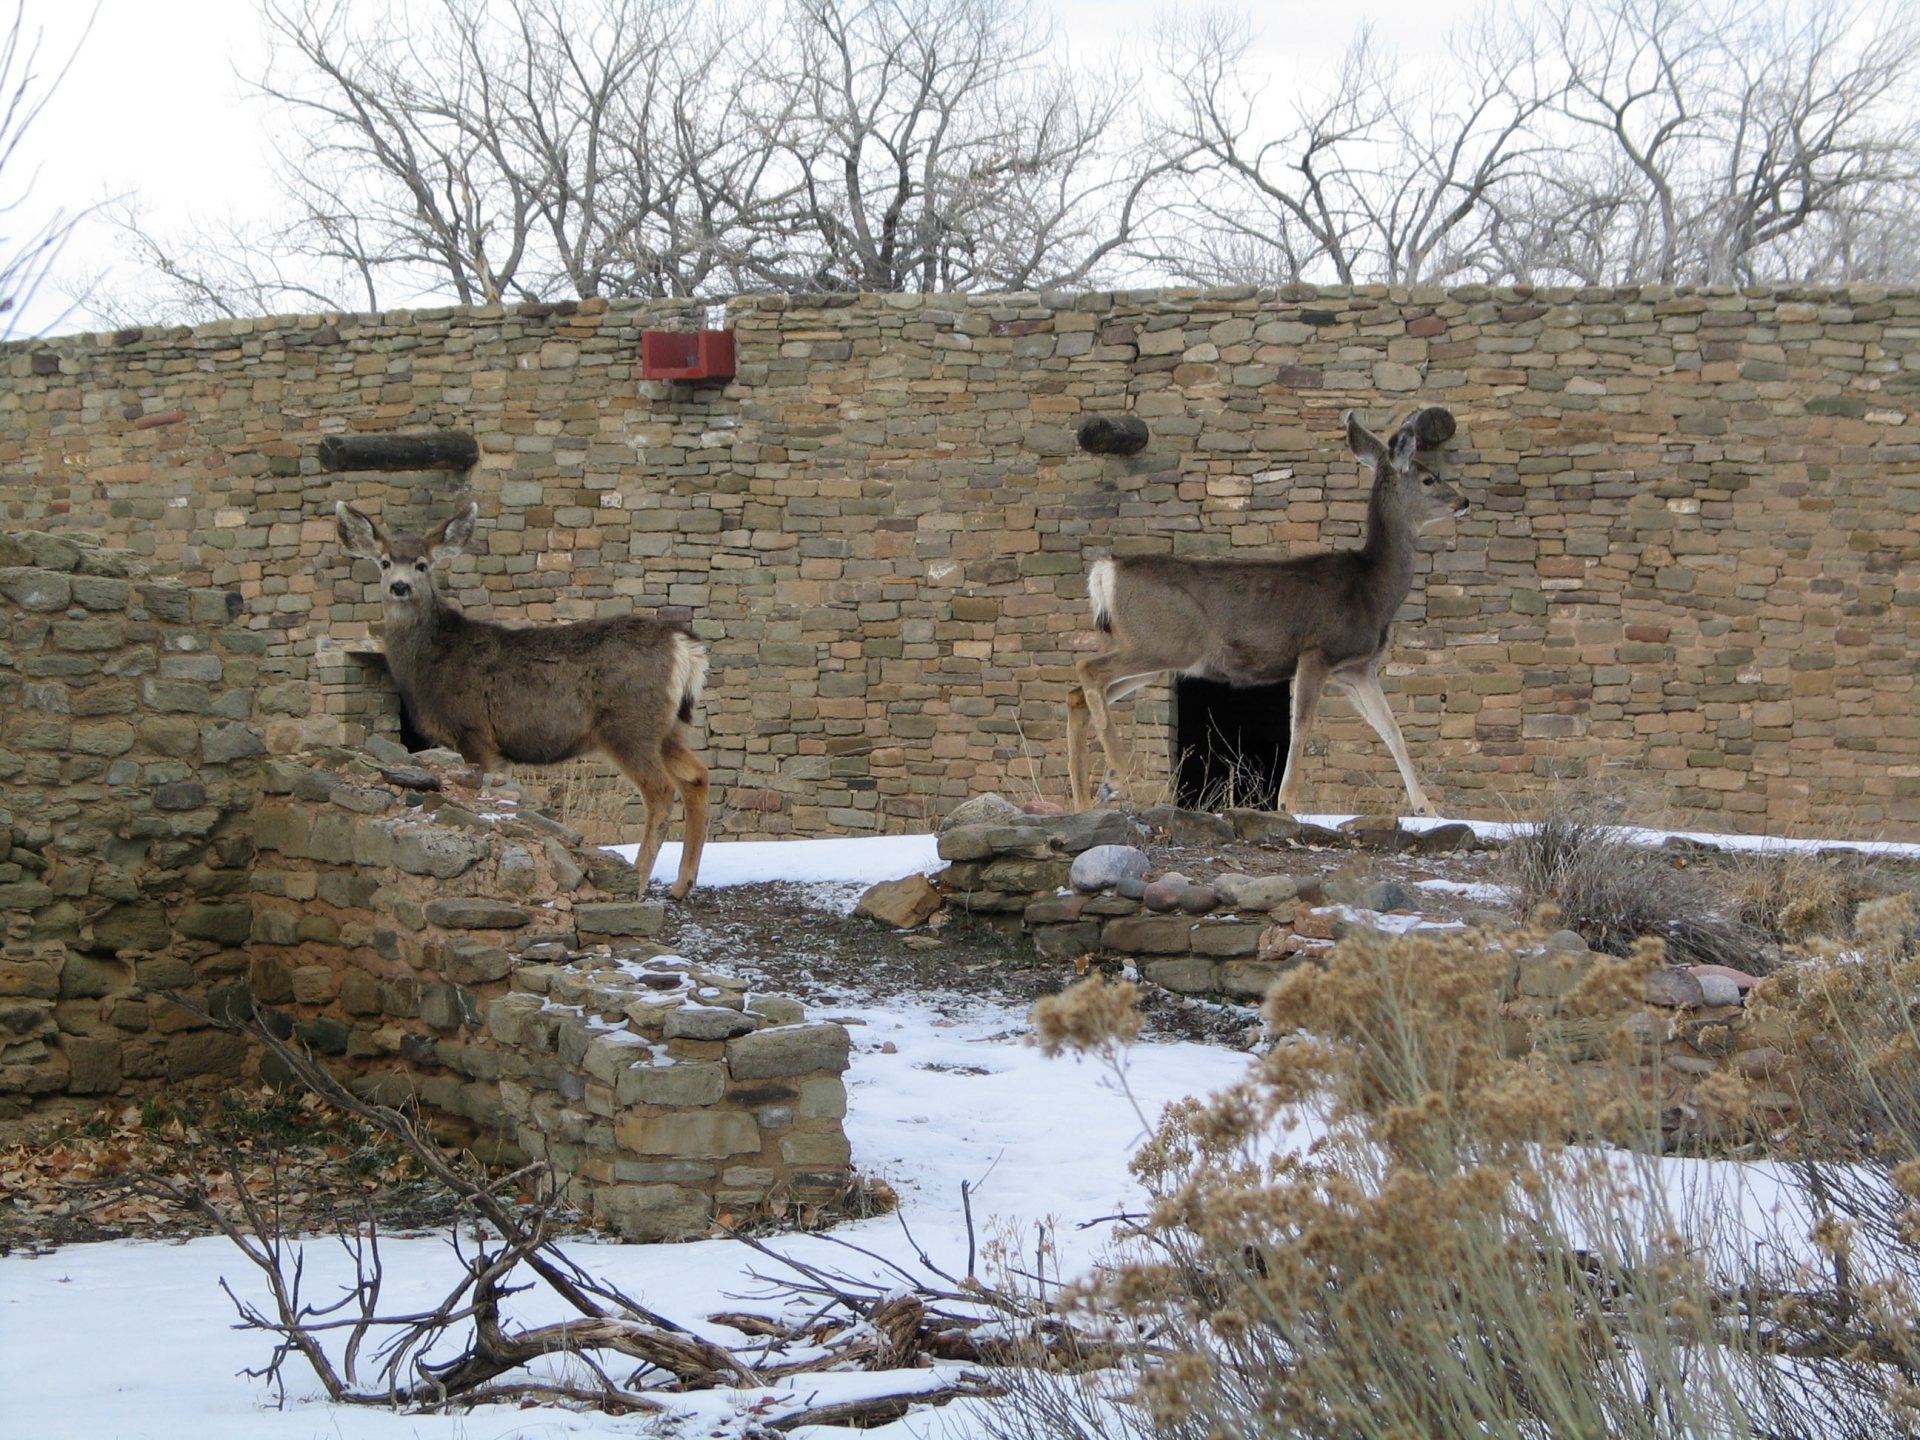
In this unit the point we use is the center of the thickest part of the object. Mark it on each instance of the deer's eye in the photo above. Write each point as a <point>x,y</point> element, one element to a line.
<point>421,566</point>
<point>385,563</point>
<point>1427,480</point>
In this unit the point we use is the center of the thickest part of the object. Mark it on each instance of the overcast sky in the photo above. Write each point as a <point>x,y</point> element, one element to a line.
<point>155,104</point>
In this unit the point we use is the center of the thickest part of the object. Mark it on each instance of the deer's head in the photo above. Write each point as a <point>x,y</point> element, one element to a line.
<point>406,559</point>
<point>1402,485</point>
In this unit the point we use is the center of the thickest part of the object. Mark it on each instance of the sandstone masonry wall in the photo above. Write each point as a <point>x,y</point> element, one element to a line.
<point>440,945</point>
<point>129,750</point>
<point>1692,551</point>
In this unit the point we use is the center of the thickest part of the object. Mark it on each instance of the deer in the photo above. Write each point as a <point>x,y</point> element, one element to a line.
<point>1321,620</point>
<point>624,686</point>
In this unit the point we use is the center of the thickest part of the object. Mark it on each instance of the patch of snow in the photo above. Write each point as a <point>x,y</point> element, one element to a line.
<point>861,859</point>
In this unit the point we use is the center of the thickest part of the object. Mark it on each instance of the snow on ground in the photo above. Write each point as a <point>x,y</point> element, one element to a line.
<point>133,1341</point>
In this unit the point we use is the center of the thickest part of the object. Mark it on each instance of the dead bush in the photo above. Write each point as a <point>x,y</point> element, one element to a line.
<point>1583,857</point>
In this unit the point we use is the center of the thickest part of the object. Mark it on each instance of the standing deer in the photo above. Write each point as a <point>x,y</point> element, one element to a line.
<point>538,695</point>
<point>1320,619</point>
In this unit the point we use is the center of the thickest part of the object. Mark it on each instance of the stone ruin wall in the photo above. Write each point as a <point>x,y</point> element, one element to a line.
<point>437,943</point>
<point>427,938</point>
<point>1075,887</point>
<point>1692,552</point>
<point>130,746</point>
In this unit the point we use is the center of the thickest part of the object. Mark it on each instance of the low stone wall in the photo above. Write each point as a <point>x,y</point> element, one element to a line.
<point>440,944</point>
<point>1082,886</point>
<point>130,737</point>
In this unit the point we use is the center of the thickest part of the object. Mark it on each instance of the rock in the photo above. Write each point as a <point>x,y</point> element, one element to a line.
<point>443,854</point>
<point>789,1050</point>
<point>1740,978</point>
<point>1442,839</point>
<point>1570,941</point>
<point>1165,892</point>
<point>1263,827</point>
<point>903,904</point>
<point>1148,935</point>
<point>1196,900</point>
<point>1673,987</point>
<point>617,918</point>
<point>411,777</point>
<point>1385,895</point>
<point>982,842</point>
<point>1187,827</point>
<point>1249,892</point>
<point>1075,834</point>
<point>1719,990</point>
<point>1131,888</point>
<point>1046,809</point>
<point>987,809</point>
<point>475,913</point>
<point>1104,866</point>
<point>1760,1063</point>
<point>706,1022</point>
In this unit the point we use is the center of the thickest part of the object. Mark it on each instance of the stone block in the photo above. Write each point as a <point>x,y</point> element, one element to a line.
<point>475,913</point>
<point>1187,974</point>
<point>1252,978</point>
<point>789,1050</point>
<point>619,918</point>
<point>1225,938</point>
<point>706,1022</point>
<point>220,924</point>
<point>1066,942</point>
<point>443,854</point>
<point>124,928</point>
<point>903,904</point>
<point>653,1212</point>
<point>93,1065</point>
<point>466,962</point>
<point>312,984</point>
<point>447,1007</point>
<point>698,1135</point>
<point>679,1086</point>
<point>1147,935</point>
<point>822,1098</point>
<point>816,1150</point>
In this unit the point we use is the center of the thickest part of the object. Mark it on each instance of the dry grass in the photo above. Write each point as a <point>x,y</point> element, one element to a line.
<point>589,794</point>
<point>1457,1257</point>
<point>1578,857</point>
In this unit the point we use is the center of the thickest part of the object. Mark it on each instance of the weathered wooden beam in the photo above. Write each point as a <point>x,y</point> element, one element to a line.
<point>439,450</point>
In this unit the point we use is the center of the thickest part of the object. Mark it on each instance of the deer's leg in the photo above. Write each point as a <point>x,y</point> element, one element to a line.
<point>1078,736</point>
<point>689,773</point>
<point>1309,680</point>
<point>1371,701</point>
<point>1103,680</point>
<point>642,764</point>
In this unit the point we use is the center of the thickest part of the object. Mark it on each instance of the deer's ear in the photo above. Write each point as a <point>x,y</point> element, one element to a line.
<point>452,534</point>
<point>358,534</point>
<point>1367,447</point>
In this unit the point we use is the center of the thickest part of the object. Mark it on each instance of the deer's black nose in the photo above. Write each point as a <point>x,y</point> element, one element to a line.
<point>400,589</point>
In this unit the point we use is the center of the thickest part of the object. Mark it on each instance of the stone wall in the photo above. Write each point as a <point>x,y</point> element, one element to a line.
<point>130,716</point>
<point>437,943</point>
<point>1691,554</point>
<point>1083,889</point>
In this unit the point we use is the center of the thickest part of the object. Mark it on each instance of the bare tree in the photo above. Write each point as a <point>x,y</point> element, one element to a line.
<point>25,87</point>
<point>935,145</point>
<point>1383,174</point>
<point>1737,140</point>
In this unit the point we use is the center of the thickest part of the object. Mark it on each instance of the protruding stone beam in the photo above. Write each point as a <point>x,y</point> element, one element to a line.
<point>1113,435</point>
<point>440,450</point>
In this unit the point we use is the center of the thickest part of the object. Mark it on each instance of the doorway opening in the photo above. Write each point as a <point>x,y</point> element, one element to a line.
<point>1229,743</point>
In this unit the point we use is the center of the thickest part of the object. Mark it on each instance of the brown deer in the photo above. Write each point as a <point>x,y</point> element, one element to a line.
<point>540,694</point>
<point>1320,619</point>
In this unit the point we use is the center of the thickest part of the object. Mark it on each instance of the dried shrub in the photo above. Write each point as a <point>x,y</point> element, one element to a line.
<point>1397,1226</point>
<point>1581,857</point>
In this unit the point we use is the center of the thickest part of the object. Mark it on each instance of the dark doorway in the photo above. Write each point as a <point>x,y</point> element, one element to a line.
<point>1229,743</point>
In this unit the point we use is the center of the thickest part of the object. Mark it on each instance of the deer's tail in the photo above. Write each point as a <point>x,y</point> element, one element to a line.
<point>689,674</point>
<point>1100,595</point>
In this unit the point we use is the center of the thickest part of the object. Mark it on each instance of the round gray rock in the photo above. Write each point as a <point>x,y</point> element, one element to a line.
<point>1107,865</point>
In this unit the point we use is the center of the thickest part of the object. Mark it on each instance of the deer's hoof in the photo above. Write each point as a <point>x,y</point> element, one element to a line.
<point>680,889</point>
